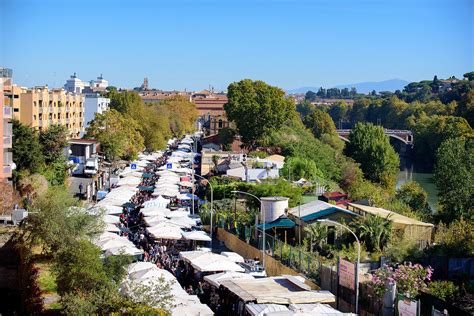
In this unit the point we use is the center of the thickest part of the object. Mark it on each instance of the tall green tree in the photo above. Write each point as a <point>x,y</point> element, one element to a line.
<point>319,122</point>
<point>182,114</point>
<point>412,194</point>
<point>431,131</point>
<point>296,168</point>
<point>454,178</point>
<point>257,109</point>
<point>369,146</point>
<point>119,136</point>
<point>53,140</point>
<point>27,153</point>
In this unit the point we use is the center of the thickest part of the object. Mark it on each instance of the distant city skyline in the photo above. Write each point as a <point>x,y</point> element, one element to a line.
<point>190,45</point>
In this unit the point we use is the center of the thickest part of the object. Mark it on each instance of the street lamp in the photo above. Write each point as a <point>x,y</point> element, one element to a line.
<point>325,220</point>
<point>212,198</point>
<point>262,210</point>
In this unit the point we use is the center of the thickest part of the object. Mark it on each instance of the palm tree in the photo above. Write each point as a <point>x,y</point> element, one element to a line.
<point>375,231</point>
<point>317,233</point>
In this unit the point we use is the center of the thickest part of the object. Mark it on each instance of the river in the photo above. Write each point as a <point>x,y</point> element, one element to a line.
<point>409,171</point>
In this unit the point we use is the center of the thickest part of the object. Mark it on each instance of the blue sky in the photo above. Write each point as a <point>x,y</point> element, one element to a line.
<point>193,44</point>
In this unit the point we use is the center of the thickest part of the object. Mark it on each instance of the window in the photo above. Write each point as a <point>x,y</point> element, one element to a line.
<point>54,116</point>
<point>34,117</point>
<point>16,110</point>
<point>220,123</point>
<point>40,116</point>
<point>34,103</point>
<point>67,115</point>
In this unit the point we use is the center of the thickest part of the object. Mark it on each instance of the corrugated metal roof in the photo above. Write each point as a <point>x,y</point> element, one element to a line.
<point>262,309</point>
<point>391,216</point>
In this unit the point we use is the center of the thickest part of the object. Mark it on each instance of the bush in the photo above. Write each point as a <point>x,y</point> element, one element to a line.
<point>445,290</point>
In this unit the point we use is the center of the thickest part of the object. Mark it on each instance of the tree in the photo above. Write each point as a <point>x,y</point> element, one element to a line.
<point>317,234</point>
<point>338,112</point>
<point>310,96</point>
<point>257,109</point>
<point>226,137</point>
<point>374,231</point>
<point>182,114</point>
<point>55,221</point>
<point>297,168</point>
<point>455,239</point>
<point>455,179</point>
<point>118,136</point>
<point>369,146</point>
<point>431,131</point>
<point>304,108</point>
<point>320,123</point>
<point>27,153</point>
<point>53,141</point>
<point>412,194</point>
<point>469,75</point>
<point>8,197</point>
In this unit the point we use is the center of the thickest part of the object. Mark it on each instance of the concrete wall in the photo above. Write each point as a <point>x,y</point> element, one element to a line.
<point>272,266</point>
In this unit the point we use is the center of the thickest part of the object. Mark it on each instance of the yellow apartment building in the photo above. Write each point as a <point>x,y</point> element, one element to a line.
<point>6,113</point>
<point>41,107</point>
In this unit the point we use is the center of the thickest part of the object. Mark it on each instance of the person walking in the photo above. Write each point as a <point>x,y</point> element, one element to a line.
<point>81,187</point>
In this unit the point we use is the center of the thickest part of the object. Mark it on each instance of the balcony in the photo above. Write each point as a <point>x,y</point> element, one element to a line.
<point>7,141</point>
<point>7,112</point>
<point>7,171</point>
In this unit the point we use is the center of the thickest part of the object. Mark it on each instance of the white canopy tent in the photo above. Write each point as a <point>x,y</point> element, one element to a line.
<point>196,309</point>
<point>233,256</point>
<point>158,202</point>
<point>107,209</point>
<point>111,219</point>
<point>124,250</point>
<point>129,181</point>
<point>186,196</point>
<point>139,266</point>
<point>111,228</point>
<point>215,278</point>
<point>166,192</point>
<point>210,262</point>
<point>113,201</point>
<point>264,309</point>
<point>196,235</point>
<point>155,211</point>
<point>165,232</point>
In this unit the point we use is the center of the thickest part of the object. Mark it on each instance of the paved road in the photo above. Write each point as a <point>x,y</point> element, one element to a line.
<point>74,182</point>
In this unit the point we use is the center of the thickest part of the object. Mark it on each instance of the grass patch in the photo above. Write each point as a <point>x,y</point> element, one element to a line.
<point>46,280</point>
<point>55,306</point>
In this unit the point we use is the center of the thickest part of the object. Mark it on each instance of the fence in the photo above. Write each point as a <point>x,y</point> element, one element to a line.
<point>308,265</point>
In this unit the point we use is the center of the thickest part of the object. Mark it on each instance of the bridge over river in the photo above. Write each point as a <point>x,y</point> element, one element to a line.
<point>405,136</point>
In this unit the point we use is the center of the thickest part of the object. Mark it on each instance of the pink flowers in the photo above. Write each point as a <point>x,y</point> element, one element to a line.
<point>409,278</point>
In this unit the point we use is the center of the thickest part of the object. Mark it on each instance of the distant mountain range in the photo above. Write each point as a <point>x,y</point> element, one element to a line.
<point>362,87</point>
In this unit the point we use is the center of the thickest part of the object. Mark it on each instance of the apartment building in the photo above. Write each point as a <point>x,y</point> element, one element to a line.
<point>41,107</point>
<point>6,114</point>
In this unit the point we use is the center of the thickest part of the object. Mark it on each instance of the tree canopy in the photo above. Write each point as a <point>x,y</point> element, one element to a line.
<point>119,137</point>
<point>257,109</point>
<point>319,122</point>
<point>369,146</point>
<point>455,179</point>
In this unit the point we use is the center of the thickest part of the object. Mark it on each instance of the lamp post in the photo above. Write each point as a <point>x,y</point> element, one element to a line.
<point>325,220</point>
<point>212,199</point>
<point>262,211</point>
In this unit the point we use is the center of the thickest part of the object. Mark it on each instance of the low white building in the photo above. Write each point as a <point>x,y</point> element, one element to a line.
<point>94,103</point>
<point>253,174</point>
<point>74,84</point>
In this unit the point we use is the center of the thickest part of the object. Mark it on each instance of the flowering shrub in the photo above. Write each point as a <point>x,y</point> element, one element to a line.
<point>409,278</point>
